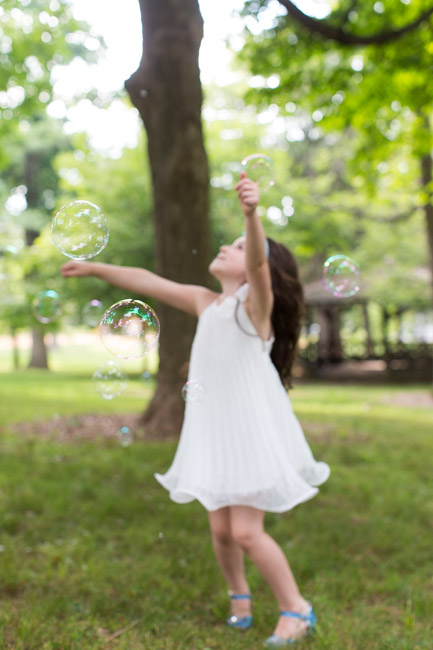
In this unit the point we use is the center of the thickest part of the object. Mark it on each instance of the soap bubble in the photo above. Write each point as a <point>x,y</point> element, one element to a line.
<point>109,380</point>
<point>46,306</point>
<point>193,391</point>
<point>129,329</point>
<point>146,376</point>
<point>125,436</point>
<point>92,313</point>
<point>80,230</point>
<point>259,169</point>
<point>341,276</point>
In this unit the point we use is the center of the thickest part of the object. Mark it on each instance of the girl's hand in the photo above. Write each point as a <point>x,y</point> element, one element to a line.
<point>248,194</point>
<point>74,268</point>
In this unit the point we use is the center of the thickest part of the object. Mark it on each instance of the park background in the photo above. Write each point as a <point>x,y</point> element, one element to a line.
<point>339,95</point>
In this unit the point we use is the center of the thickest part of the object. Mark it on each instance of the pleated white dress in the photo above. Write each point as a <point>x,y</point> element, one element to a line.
<point>241,444</point>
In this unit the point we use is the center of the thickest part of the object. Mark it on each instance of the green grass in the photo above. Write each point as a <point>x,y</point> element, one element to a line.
<point>90,543</point>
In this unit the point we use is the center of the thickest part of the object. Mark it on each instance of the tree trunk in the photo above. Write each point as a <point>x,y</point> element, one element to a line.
<point>330,349</point>
<point>39,358</point>
<point>15,349</point>
<point>427,177</point>
<point>166,90</point>
<point>369,347</point>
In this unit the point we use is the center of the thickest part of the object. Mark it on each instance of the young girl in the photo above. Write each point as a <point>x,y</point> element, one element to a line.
<point>242,451</point>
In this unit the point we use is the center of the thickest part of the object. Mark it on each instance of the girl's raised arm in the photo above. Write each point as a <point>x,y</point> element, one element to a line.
<point>260,297</point>
<point>186,297</point>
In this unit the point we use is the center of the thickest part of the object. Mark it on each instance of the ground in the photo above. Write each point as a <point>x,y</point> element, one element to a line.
<point>90,426</point>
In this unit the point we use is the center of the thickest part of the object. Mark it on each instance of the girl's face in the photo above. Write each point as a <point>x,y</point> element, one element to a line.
<point>230,261</point>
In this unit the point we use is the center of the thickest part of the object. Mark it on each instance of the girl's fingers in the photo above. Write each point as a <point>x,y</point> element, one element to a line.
<point>244,182</point>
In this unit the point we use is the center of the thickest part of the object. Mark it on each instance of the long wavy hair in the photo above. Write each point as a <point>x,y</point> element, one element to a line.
<point>288,310</point>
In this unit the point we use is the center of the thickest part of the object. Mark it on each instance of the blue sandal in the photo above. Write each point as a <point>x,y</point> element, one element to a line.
<point>240,622</point>
<point>275,641</point>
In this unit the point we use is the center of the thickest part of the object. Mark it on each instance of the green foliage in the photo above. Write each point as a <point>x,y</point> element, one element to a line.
<point>381,91</point>
<point>364,112</point>
<point>35,37</point>
<point>91,543</point>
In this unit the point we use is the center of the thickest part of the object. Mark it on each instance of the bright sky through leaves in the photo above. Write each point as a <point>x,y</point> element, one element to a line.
<point>116,127</point>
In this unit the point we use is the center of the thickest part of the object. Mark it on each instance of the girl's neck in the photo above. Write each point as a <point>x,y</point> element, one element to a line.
<point>229,287</point>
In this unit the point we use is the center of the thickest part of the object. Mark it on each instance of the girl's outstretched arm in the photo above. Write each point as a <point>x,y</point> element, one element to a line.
<point>186,297</point>
<point>261,298</point>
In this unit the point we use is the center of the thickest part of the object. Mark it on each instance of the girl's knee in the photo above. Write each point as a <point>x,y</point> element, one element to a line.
<point>220,529</point>
<point>244,536</point>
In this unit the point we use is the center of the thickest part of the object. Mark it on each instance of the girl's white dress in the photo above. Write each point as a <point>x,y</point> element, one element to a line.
<point>241,443</point>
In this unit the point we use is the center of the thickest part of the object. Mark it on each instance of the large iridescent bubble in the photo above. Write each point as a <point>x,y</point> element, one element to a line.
<point>109,380</point>
<point>259,168</point>
<point>341,276</point>
<point>80,230</point>
<point>129,329</point>
<point>46,306</point>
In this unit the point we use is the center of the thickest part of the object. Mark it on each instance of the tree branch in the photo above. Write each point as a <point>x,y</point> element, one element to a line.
<point>323,28</point>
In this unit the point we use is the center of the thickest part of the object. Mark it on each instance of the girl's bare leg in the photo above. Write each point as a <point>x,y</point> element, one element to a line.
<point>230,557</point>
<point>246,525</point>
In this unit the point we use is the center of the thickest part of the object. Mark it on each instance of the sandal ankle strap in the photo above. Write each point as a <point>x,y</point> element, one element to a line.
<point>239,596</point>
<point>310,617</point>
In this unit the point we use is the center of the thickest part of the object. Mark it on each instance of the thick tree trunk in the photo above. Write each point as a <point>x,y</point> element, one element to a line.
<point>39,358</point>
<point>166,90</point>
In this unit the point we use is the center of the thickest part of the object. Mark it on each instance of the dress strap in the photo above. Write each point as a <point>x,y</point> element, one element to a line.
<point>242,292</point>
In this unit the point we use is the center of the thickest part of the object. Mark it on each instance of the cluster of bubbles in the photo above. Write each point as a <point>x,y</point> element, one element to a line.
<point>129,329</point>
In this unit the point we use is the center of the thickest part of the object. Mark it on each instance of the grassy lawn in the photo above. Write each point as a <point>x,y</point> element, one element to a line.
<point>93,554</point>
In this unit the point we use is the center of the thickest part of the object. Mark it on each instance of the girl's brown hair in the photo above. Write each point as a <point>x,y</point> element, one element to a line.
<point>289,307</point>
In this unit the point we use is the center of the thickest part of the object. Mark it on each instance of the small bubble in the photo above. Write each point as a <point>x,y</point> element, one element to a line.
<point>46,306</point>
<point>259,168</point>
<point>193,391</point>
<point>341,276</point>
<point>92,313</point>
<point>109,380</point>
<point>125,436</point>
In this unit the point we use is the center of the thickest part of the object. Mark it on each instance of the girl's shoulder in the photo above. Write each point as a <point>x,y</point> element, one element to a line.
<point>204,299</point>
